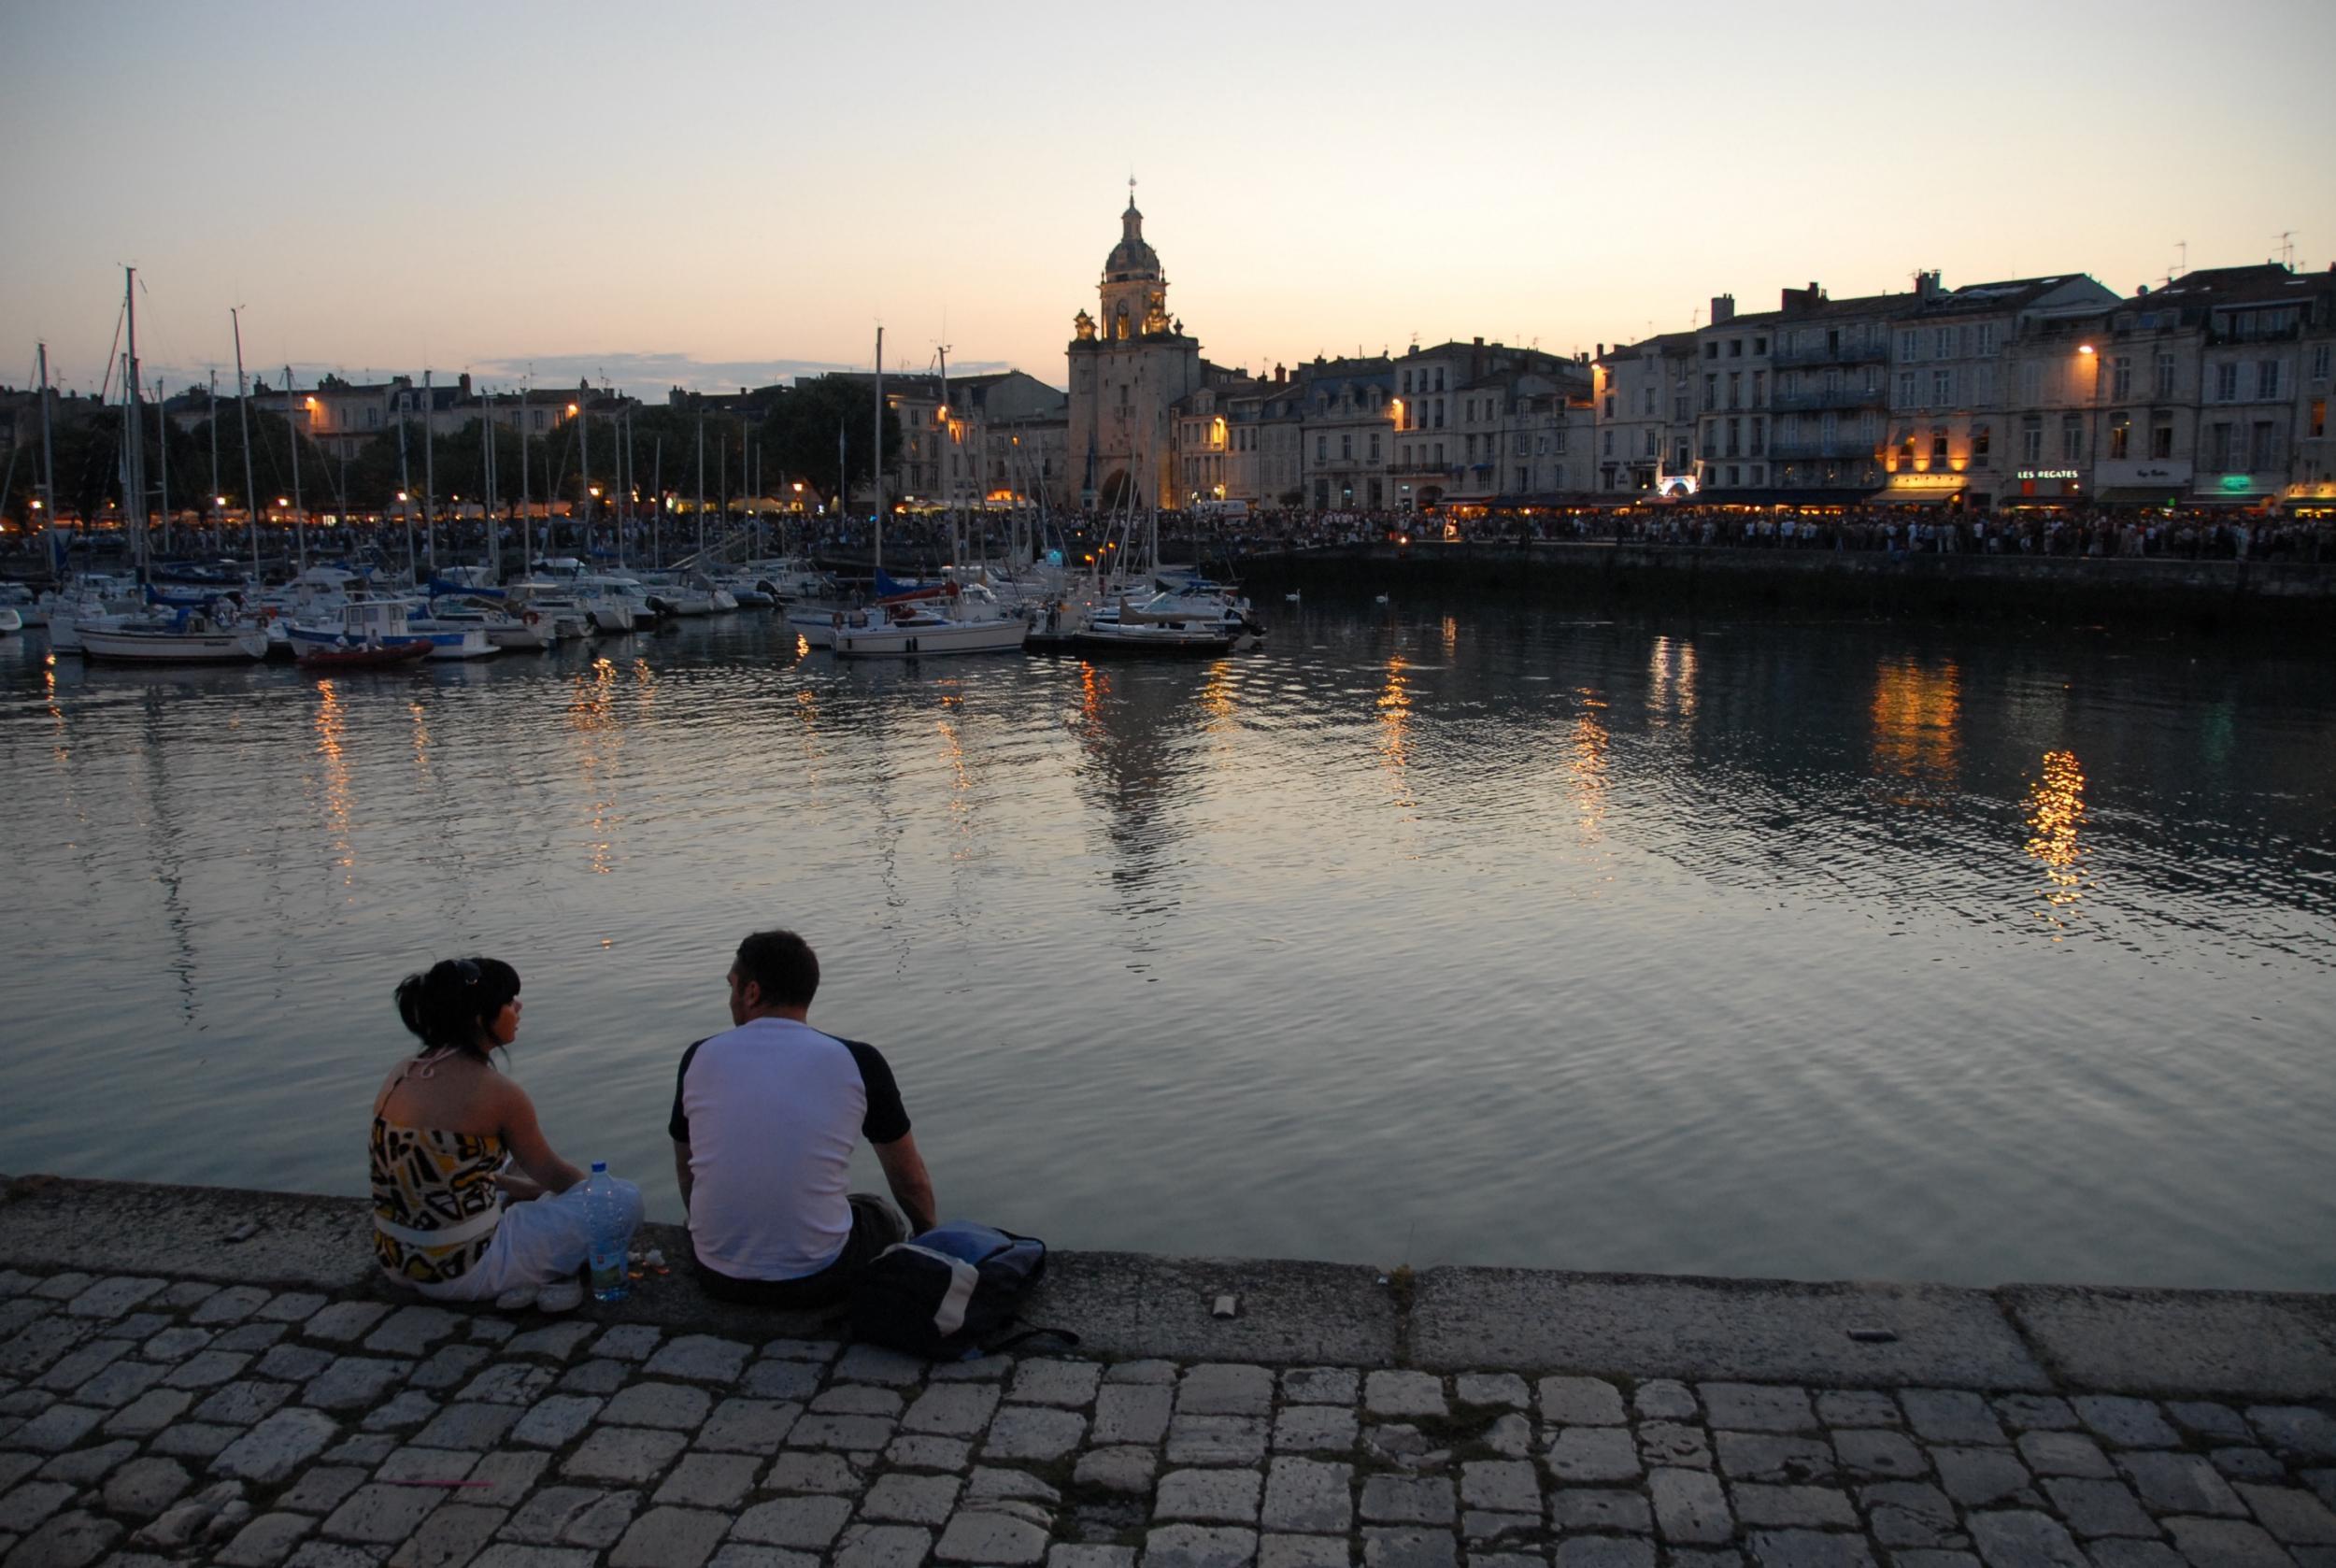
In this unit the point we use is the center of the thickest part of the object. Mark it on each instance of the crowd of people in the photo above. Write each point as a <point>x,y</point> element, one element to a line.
<point>923,539</point>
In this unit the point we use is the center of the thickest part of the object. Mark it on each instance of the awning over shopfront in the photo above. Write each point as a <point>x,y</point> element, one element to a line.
<point>2139,495</point>
<point>1782,498</point>
<point>1930,497</point>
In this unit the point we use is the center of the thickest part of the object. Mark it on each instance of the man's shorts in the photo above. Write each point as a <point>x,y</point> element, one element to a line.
<point>875,1225</point>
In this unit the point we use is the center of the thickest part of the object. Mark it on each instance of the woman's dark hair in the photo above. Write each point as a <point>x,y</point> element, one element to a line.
<point>454,1001</point>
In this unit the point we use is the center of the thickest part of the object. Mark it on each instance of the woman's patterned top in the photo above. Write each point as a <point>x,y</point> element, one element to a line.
<point>424,1181</point>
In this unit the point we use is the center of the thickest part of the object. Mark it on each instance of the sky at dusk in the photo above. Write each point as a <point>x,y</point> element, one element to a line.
<point>718,194</point>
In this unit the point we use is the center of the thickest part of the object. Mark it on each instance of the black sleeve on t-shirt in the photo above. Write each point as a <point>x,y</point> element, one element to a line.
<point>888,1118</point>
<point>679,1125</point>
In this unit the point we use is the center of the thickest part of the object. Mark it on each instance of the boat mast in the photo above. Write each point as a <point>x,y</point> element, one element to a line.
<point>620,427</point>
<point>527,528</point>
<point>47,446</point>
<point>300,515</point>
<point>584,467</point>
<point>218,516</point>
<point>701,489</point>
<point>876,464</point>
<point>948,496</point>
<point>487,509</point>
<point>243,418</point>
<point>429,471</point>
<point>132,469</point>
<point>406,496</point>
<point>161,451</point>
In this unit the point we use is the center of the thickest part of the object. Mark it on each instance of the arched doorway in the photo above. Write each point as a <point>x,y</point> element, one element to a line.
<point>1115,491</point>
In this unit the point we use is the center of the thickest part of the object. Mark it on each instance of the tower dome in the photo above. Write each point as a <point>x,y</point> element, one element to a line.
<point>1132,260</point>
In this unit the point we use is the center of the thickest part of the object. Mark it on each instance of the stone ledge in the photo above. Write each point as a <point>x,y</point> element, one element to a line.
<point>2182,1343</point>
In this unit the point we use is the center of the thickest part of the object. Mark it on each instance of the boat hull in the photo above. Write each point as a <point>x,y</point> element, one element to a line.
<point>929,640</point>
<point>386,656</point>
<point>123,645</point>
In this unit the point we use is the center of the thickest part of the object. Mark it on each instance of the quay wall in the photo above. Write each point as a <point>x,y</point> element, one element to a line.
<point>2174,1343</point>
<point>2287,598</point>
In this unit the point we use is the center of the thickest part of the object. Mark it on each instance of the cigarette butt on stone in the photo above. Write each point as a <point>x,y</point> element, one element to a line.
<point>1227,1306</point>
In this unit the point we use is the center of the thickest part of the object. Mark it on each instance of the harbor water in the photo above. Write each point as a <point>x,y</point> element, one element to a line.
<point>1433,934</point>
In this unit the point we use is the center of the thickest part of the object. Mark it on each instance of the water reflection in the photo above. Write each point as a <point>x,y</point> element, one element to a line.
<point>592,719</point>
<point>1585,768</point>
<point>2055,817</point>
<point>1671,680</point>
<point>331,725</point>
<point>1394,703</point>
<point>1917,740</point>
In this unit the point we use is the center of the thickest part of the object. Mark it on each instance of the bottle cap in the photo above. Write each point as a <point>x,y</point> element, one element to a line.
<point>600,1167</point>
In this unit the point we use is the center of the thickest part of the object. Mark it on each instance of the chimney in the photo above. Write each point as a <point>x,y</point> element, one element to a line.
<point>1723,309</point>
<point>1602,351</point>
<point>462,384</point>
<point>1480,342</point>
<point>1926,285</point>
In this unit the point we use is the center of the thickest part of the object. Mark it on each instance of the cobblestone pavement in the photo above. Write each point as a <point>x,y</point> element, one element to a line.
<point>150,1420</point>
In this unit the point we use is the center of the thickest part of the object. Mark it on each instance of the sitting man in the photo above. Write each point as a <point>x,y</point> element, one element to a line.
<point>764,1117</point>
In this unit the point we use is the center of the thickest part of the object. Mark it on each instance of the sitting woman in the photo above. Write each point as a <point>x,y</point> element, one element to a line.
<point>444,1126</point>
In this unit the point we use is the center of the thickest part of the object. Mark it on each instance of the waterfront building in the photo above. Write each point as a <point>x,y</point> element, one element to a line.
<point>1130,364</point>
<point>1349,408</point>
<point>1826,405</point>
<point>1644,416</point>
<point>1451,417</point>
<point>1961,365</point>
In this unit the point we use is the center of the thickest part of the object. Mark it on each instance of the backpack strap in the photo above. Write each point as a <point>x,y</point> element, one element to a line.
<point>999,1345</point>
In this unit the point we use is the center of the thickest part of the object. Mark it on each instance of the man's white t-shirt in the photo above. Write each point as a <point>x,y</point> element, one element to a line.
<point>771,1111</point>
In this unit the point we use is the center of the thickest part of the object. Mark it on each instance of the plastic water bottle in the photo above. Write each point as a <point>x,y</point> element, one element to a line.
<point>606,1252</point>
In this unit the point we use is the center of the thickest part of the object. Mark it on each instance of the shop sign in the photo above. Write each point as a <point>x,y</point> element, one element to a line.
<point>2046,473</point>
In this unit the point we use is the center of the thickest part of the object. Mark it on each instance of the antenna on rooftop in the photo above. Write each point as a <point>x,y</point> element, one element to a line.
<point>2288,248</point>
<point>2182,261</point>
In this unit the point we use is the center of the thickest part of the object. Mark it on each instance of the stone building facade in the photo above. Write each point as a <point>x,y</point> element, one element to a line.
<point>1129,366</point>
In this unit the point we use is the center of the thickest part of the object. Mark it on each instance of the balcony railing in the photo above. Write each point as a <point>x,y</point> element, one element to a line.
<point>1832,397</point>
<point>1840,353</point>
<point>1784,448</point>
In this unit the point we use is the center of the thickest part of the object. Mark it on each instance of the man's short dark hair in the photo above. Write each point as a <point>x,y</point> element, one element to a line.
<point>783,964</point>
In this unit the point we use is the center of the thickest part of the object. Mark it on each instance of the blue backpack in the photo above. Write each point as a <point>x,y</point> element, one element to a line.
<point>945,1293</point>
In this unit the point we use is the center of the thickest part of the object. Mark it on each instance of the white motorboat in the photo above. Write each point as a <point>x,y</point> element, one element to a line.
<point>185,636</point>
<point>24,603</point>
<point>369,632</point>
<point>562,610</point>
<point>524,629</point>
<point>11,621</point>
<point>969,622</point>
<point>686,594</point>
<point>1154,625</point>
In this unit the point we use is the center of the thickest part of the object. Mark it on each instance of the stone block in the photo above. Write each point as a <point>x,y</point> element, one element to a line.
<point>796,1381</point>
<point>1910,1516</point>
<point>382,1514</point>
<point>340,1323</point>
<point>321,1488</point>
<point>1689,1505</point>
<point>57,1428</point>
<point>2226,1543</point>
<point>1034,1432</point>
<point>911,1499</point>
<point>2216,1422</point>
<point>293,1363</point>
<point>1593,1454</point>
<point>1674,1443</point>
<point>1858,1409</point>
<point>2063,1453</point>
<point>409,1407</point>
<point>145,1487</point>
<point>1198,1546</point>
<point>1274,1551</point>
<point>596,1376</point>
<point>2179,1484</point>
<point>1387,1394</point>
<point>1321,1385</point>
<point>994,1532</point>
<point>800,1472</point>
<point>1225,1388</point>
<point>1664,1399</point>
<point>1216,1439</point>
<point>1407,1500</point>
<point>409,1331</point>
<point>1873,1453</point>
<point>353,1382</point>
<point>628,1342</point>
<point>952,1409</point>
<point>1757,1407</point>
<point>1751,1455</point>
<point>1811,1549</point>
<point>267,1541</point>
<point>206,1369</point>
<point>1313,1429</point>
<point>1049,1381</point>
<point>450,1537</point>
<point>820,1350</point>
<point>572,1516</point>
<point>1132,1413</point>
<point>669,1539</point>
<point>1762,1506</point>
<point>752,1426</point>
<point>882,1546</point>
<point>2019,1538</point>
<point>856,1433</point>
<point>553,1422</point>
<point>1605,1551</point>
<point>68,1540</point>
<point>112,1297</point>
<point>2127,1423</point>
<point>555,1341</point>
<point>276,1447</point>
<point>468,1426</point>
<point>1951,1415</point>
<point>700,1358</point>
<point>1501,1486</point>
<point>675,1406</point>
<point>1982,1477</point>
<point>1126,1470</point>
<point>2297,1430</point>
<point>873,1364</point>
<point>626,1456</point>
<point>1581,1402</point>
<point>1215,1496</point>
<point>2290,1514</point>
<point>2098,1507</point>
<point>449,1366</point>
<point>921,1451</point>
<point>1310,1496</point>
<point>1600,1510</point>
<point>509,1383</point>
<point>857,1399</point>
<point>86,1467</point>
<point>1387,1548</point>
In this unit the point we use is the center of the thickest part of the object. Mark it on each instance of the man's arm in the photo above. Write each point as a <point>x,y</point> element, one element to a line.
<point>681,1174</point>
<point>912,1185</point>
